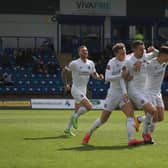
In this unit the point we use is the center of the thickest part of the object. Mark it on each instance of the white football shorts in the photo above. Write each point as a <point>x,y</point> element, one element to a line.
<point>78,94</point>
<point>114,99</point>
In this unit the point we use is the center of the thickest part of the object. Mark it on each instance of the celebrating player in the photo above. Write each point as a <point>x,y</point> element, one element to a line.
<point>155,71</point>
<point>115,98</point>
<point>136,66</point>
<point>81,69</point>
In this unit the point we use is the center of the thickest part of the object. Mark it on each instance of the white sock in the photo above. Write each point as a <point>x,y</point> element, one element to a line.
<point>130,127</point>
<point>95,125</point>
<point>70,122</point>
<point>141,118</point>
<point>152,127</point>
<point>81,110</point>
<point>147,122</point>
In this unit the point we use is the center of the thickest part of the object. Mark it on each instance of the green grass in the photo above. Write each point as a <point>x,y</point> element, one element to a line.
<point>34,139</point>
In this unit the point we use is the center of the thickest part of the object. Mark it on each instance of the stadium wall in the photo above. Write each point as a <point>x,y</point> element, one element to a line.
<point>45,104</point>
<point>26,26</point>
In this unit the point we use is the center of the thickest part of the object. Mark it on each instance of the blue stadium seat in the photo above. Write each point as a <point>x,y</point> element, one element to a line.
<point>164,88</point>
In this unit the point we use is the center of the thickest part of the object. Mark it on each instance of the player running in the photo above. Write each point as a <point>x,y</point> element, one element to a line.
<point>81,68</point>
<point>136,66</point>
<point>155,71</point>
<point>115,98</point>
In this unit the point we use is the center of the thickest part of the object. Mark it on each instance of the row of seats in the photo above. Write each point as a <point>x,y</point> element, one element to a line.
<point>32,89</point>
<point>164,89</point>
<point>54,85</point>
<point>98,88</point>
<point>27,82</point>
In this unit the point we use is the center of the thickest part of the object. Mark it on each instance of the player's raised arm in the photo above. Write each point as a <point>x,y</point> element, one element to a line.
<point>151,53</point>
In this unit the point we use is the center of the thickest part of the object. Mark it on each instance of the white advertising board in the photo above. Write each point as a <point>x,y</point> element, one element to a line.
<point>61,103</point>
<point>93,7</point>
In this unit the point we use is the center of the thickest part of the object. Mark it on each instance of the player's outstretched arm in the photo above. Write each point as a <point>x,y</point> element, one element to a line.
<point>151,53</point>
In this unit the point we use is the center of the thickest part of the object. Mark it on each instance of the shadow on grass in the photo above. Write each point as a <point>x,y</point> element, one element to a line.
<point>92,148</point>
<point>46,138</point>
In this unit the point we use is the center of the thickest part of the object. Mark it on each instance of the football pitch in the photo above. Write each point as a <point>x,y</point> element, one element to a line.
<point>35,139</point>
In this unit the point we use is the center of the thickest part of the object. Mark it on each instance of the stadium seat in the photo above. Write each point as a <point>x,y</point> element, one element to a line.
<point>164,89</point>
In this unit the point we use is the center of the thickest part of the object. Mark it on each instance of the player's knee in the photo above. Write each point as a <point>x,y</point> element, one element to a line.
<point>160,119</point>
<point>150,109</point>
<point>89,107</point>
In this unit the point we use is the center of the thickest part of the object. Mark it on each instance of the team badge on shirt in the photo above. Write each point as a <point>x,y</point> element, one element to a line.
<point>89,67</point>
<point>81,96</point>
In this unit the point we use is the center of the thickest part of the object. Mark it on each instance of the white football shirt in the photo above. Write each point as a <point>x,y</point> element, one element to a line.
<point>139,77</point>
<point>81,72</point>
<point>113,73</point>
<point>155,72</point>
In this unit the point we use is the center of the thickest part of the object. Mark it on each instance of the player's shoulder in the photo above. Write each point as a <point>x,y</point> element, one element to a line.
<point>129,58</point>
<point>76,61</point>
<point>90,62</point>
<point>112,60</point>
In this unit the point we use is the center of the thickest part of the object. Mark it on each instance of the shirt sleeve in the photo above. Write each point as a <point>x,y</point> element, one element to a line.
<point>126,66</point>
<point>109,73</point>
<point>71,66</point>
<point>151,55</point>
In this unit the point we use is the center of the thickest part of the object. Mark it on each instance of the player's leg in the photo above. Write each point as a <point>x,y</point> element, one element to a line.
<point>110,104</point>
<point>130,124</point>
<point>141,101</point>
<point>150,111</point>
<point>84,106</point>
<point>160,114</point>
<point>160,108</point>
<point>158,117</point>
<point>68,130</point>
<point>96,124</point>
<point>78,96</point>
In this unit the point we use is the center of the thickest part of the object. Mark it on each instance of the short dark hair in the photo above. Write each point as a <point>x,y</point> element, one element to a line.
<point>163,49</point>
<point>136,43</point>
<point>82,46</point>
<point>117,47</point>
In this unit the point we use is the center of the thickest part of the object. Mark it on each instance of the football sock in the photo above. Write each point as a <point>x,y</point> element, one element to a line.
<point>147,122</point>
<point>81,111</point>
<point>141,118</point>
<point>95,125</point>
<point>130,127</point>
<point>152,127</point>
<point>70,122</point>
